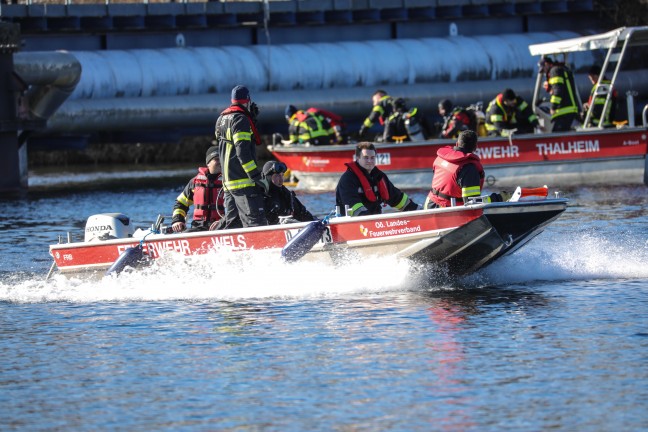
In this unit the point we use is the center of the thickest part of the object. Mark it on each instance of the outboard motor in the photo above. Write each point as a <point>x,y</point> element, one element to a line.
<point>131,257</point>
<point>108,226</point>
<point>304,241</point>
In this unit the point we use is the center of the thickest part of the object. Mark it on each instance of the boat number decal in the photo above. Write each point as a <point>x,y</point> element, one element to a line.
<point>383,159</point>
<point>389,228</point>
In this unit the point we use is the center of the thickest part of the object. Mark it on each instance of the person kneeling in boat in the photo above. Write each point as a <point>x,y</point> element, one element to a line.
<point>204,191</point>
<point>458,174</point>
<point>281,203</point>
<point>508,112</point>
<point>363,188</point>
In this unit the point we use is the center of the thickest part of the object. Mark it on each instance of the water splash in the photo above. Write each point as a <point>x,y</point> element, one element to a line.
<point>579,256</point>
<point>222,276</point>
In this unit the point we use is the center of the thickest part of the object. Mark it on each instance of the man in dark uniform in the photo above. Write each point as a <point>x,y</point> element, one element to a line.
<point>382,109</point>
<point>405,124</point>
<point>455,119</point>
<point>560,84</point>
<point>281,202</point>
<point>363,188</point>
<point>458,174</point>
<point>237,138</point>
<point>509,111</point>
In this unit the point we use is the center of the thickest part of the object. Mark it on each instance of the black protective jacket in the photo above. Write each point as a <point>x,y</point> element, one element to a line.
<point>283,202</point>
<point>349,192</point>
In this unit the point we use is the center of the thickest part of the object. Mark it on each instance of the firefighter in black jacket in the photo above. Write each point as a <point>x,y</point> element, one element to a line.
<point>382,109</point>
<point>237,138</point>
<point>560,84</point>
<point>363,188</point>
<point>509,111</point>
<point>281,202</point>
<point>405,124</point>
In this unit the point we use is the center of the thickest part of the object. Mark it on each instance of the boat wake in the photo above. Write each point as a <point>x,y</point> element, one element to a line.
<point>585,255</point>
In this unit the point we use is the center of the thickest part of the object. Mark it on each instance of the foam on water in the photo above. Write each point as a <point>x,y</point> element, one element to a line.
<point>582,256</point>
<point>219,276</point>
<point>235,276</point>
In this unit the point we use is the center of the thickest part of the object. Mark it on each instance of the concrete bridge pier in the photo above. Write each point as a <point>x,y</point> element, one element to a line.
<point>13,157</point>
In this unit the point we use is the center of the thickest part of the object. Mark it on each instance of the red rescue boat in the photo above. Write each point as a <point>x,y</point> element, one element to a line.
<point>588,155</point>
<point>462,239</point>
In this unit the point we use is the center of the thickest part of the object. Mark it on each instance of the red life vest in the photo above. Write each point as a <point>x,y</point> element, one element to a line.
<point>446,168</point>
<point>366,186</point>
<point>238,109</point>
<point>208,202</point>
<point>301,116</point>
<point>333,119</point>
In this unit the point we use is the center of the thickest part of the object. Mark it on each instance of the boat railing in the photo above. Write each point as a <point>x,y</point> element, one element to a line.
<point>644,115</point>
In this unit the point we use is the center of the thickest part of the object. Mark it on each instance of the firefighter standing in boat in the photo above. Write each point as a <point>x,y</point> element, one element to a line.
<point>237,138</point>
<point>364,189</point>
<point>204,192</point>
<point>562,88</point>
<point>458,174</point>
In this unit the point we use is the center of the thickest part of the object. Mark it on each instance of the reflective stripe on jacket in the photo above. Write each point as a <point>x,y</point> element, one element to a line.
<point>563,91</point>
<point>234,132</point>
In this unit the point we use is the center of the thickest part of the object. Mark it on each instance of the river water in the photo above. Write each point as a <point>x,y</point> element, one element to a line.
<point>554,337</point>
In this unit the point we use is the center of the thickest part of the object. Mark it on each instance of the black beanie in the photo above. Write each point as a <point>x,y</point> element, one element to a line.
<point>212,152</point>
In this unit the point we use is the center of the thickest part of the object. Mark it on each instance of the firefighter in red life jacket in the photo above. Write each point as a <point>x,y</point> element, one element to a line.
<point>364,189</point>
<point>458,174</point>
<point>204,192</point>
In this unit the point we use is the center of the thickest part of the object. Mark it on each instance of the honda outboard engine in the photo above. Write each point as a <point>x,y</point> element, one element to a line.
<point>107,226</point>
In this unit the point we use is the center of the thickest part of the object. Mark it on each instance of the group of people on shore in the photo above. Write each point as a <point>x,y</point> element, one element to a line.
<point>232,192</point>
